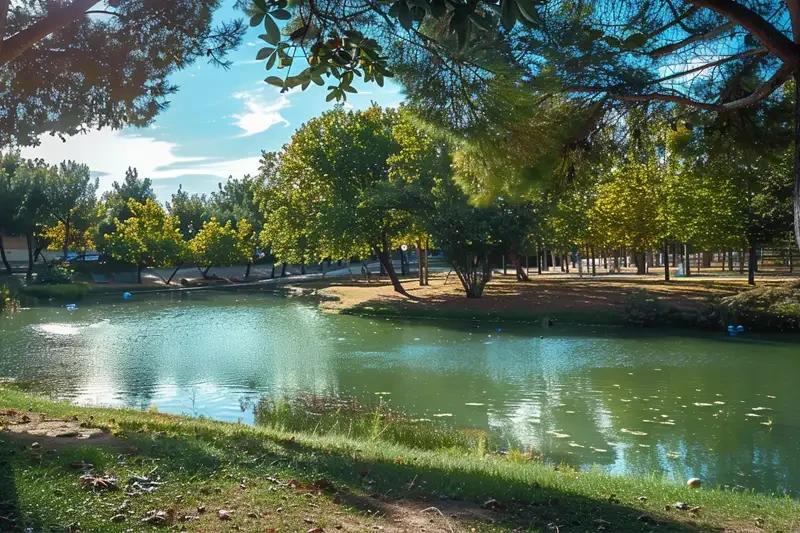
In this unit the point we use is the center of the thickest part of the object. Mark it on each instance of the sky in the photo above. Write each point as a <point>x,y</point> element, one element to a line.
<point>215,126</point>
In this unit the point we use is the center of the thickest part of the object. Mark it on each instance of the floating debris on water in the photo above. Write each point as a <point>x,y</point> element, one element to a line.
<point>644,445</point>
<point>474,404</point>
<point>703,404</point>
<point>667,423</point>
<point>558,435</point>
<point>633,432</point>
<point>773,397</point>
<point>441,415</point>
<point>575,445</point>
<point>719,403</point>
<point>570,412</point>
<point>600,450</point>
<point>753,415</point>
<point>761,409</point>
<point>382,393</point>
<point>624,400</point>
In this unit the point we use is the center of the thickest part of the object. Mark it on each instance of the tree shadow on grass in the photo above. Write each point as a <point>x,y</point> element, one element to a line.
<point>398,490</point>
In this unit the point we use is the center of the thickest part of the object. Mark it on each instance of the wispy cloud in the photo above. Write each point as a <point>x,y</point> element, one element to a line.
<point>261,111</point>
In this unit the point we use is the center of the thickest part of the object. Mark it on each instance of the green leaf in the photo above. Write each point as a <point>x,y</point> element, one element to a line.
<point>481,21</point>
<point>305,85</point>
<point>438,8</point>
<point>349,89</point>
<point>508,13</point>
<point>271,61</point>
<point>612,41</point>
<point>528,11</point>
<point>462,33</point>
<point>379,80</point>
<point>596,34</point>
<point>274,80</point>
<point>261,5</point>
<point>264,53</point>
<point>256,19</point>
<point>637,40</point>
<point>318,80</point>
<point>331,96</point>
<point>281,14</point>
<point>405,16</point>
<point>273,33</point>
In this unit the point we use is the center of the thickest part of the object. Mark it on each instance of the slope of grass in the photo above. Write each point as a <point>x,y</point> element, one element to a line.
<point>287,480</point>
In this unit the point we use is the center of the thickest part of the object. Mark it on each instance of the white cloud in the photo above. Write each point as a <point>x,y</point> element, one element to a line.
<point>111,152</point>
<point>259,115</point>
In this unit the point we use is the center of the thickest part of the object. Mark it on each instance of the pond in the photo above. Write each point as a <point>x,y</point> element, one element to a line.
<point>633,401</point>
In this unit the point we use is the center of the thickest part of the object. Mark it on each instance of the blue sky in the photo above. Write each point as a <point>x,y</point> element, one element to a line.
<point>216,126</point>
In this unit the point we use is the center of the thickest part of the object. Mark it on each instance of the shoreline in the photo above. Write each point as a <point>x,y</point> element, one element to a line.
<point>220,465</point>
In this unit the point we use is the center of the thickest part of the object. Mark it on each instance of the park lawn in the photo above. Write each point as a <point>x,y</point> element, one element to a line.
<point>274,479</point>
<point>564,298</point>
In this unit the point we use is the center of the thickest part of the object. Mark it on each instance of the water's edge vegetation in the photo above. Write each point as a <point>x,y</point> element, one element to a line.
<point>258,473</point>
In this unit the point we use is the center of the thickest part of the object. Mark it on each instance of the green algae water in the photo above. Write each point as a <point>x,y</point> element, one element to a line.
<point>643,402</point>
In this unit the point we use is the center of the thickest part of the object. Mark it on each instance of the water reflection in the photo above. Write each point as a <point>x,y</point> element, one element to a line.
<point>644,402</point>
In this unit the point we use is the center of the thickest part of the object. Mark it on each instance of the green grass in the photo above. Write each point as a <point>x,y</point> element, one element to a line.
<point>348,418</point>
<point>63,293</point>
<point>232,466</point>
<point>582,317</point>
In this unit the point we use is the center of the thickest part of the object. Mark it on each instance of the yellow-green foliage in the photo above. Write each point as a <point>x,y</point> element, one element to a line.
<point>150,237</point>
<point>221,245</point>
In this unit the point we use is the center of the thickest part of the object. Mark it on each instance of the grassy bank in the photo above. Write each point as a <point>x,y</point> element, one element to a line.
<point>227,476</point>
<point>60,293</point>
<point>578,316</point>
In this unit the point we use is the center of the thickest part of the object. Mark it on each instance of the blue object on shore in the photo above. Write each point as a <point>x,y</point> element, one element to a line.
<point>71,307</point>
<point>499,330</point>
<point>732,331</point>
<point>740,329</point>
<point>126,296</point>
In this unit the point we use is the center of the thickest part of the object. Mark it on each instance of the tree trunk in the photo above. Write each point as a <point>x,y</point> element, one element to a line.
<point>741,261</point>
<point>174,272</point>
<point>67,225</point>
<point>730,259</point>
<point>723,260</point>
<point>29,239</point>
<point>246,272</point>
<point>505,268</point>
<point>272,274</point>
<point>565,259</point>
<point>6,264</point>
<point>521,274</point>
<point>751,265</point>
<point>205,272</point>
<point>539,259</point>
<point>707,259</point>
<point>641,263</point>
<point>594,269</point>
<point>420,266</point>
<point>624,257</point>
<point>382,271</point>
<point>791,263</point>
<point>666,260</point>
<point>283,270</point>
<point>528,266</point>
<point>385,257</point>
<point>686,262</point>
<point>138,273</point>
<point>425,255</point>
<point>674,254</point>
<point>796,199</point>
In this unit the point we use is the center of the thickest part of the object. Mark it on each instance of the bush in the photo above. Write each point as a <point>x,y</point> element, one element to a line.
<point>61,293</point>
<point>7,301</point>
<point>644,309</point>
<point>766,308</point>
<point>56,274</point>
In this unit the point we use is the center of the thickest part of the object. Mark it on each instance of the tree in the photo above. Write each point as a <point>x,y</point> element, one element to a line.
<point>115,204</point>
<point>71,65</point>
<point>216,245</point>
<point>70,190</point>
<point>335,194</point>
<point>32,179</point>
<point>464,232</point>
<point>10,201</point>
<point>191,210</point>
<point>148,238</point>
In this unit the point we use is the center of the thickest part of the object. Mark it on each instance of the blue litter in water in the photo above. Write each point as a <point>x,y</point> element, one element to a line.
<point>731,328</point>
<point>126,296</point>
<point>71,307</point>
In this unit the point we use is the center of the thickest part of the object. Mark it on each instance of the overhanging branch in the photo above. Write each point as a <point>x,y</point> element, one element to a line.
<point>669,48</point>
<point>760,93</point>
<point>56,19</point>
<point>728,59</point>
<point>767,34</point>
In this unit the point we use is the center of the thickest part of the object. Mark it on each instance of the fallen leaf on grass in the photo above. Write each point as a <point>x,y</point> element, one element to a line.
<point>224,514</point>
